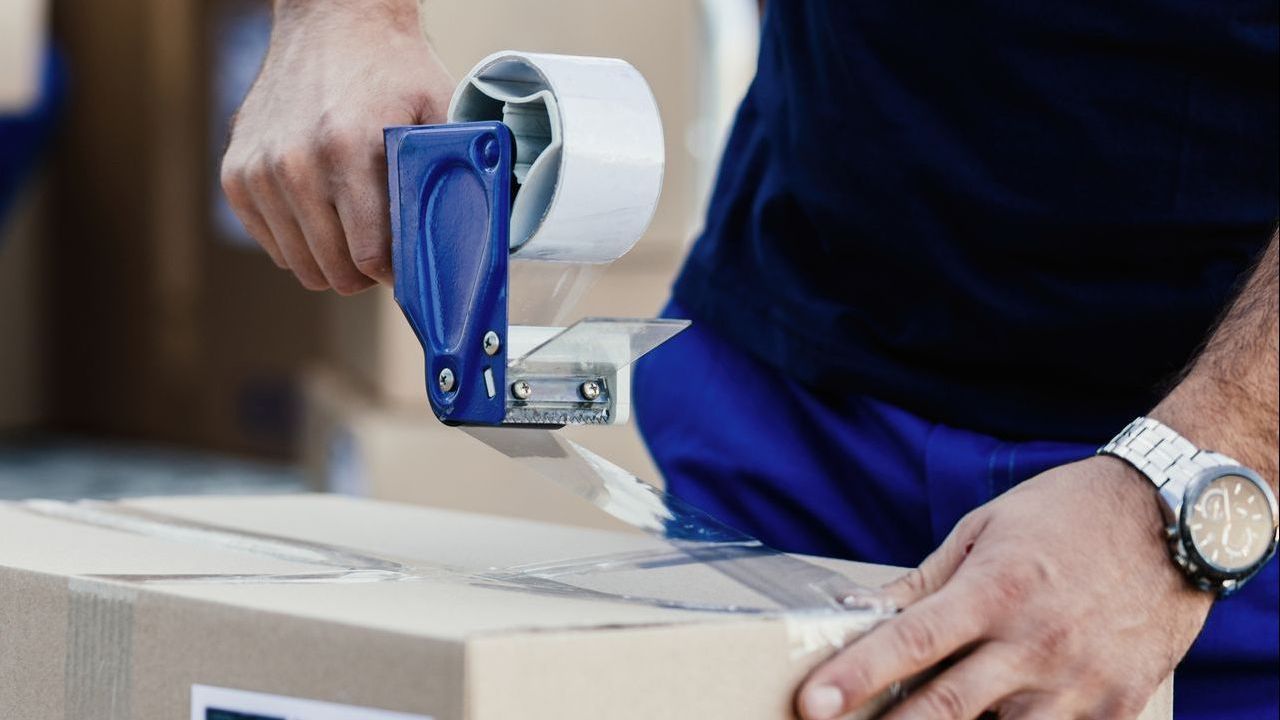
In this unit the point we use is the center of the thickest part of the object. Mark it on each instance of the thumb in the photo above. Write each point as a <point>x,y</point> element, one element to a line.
<point>941,564</point>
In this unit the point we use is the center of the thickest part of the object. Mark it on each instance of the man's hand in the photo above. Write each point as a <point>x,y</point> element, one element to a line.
<point>1056,600</point>
<point>305,170</point>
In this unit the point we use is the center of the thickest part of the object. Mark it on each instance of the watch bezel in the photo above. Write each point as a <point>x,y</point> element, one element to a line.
<point>1207,567</point>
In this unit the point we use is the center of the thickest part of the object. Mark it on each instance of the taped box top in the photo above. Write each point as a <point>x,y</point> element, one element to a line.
<point>315,607</point>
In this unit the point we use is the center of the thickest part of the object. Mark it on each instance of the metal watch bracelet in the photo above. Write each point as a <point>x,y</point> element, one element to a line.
<point>1161,454</point>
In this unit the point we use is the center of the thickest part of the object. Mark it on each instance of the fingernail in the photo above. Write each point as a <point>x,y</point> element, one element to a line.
<point>822,702</point>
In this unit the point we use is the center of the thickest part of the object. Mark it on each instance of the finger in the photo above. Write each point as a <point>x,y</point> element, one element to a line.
<point>977,683</point>
<point>922,635</point>
<point>936,569</point>
<point>356,167</point>
<point>362,207</point>
<point>328,242</point>
<point>278,216</point>
<point>236,190</point>
<point>302,185</point>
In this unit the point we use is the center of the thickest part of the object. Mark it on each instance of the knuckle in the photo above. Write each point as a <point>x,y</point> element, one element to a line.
<point>917,639</point>
<point>291,168</point>
<point>1010,588</point>
<point>231,179</point>
<point>914,582</point>
<point>1054,640</point>
<point>337,141</point>
<point>943,701</point>
<point>257,178</point>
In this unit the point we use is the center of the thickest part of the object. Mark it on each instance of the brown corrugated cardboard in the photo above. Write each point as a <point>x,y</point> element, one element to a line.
<point>115,611</point>
<point>353,445</point>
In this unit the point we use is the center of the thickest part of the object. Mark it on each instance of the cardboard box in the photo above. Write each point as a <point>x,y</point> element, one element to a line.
<point>23,401</point>
<point>370,605</point>
<point>157,330</point>
<point>354,445</point>
<point>22,43</point>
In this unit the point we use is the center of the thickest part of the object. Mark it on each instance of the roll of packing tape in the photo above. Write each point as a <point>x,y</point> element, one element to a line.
<point>589,150</point>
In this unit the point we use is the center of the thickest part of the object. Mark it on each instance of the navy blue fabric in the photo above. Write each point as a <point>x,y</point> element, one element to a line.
<point>846,475</point>
<point>1016,217</point>
<point>23,135</point>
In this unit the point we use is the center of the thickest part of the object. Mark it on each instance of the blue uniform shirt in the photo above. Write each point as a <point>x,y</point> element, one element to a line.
<point>1014,217</point>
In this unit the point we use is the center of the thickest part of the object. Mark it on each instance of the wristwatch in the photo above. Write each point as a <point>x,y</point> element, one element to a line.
<point>1221,518</point>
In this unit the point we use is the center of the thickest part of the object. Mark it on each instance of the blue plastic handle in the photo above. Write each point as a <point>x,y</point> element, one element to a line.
<point>450,196</point>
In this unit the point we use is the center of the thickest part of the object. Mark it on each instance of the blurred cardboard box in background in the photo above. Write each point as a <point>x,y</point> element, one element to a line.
<point>166,328</point>
<point>160,331</point>
<point>22,46</point>
<point>354,446</point>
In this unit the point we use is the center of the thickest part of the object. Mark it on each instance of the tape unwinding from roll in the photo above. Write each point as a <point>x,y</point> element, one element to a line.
<point>589,150</point>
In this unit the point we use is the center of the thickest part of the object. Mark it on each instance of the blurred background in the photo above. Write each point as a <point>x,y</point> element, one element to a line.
<point>147,346</point>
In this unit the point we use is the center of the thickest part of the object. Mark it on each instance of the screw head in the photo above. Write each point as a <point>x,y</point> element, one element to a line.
<point>521,389</point>
<point>445,380</point>
<point>491,343</point>
<point>488,152</point>
<point>590,390</point>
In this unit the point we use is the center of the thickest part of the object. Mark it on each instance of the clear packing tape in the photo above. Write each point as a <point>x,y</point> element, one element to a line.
<point>589,162</point>
<point>616,577</point>
<point>786,583</point>
<point>821,610</point>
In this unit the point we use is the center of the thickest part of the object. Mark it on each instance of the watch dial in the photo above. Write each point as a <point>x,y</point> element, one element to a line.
<point>1230,522</point>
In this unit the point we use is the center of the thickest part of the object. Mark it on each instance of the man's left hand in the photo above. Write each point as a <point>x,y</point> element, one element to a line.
<point>1056,600</point>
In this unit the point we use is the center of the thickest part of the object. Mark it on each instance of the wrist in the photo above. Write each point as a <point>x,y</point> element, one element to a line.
<point>395,15</point>
<point>1217,418</point>
<point>1141,522</point>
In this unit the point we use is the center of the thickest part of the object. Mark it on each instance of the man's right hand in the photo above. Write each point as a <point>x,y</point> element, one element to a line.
<point>305,170</point>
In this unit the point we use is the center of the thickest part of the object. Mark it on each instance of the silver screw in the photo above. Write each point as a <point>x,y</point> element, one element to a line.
<point>521,389</point>
<point>590,390</point>
<point>445,380</point>
<point>491,343</point>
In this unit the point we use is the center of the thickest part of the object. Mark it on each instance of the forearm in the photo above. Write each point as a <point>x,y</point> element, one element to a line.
<point>389,6</point>
<point>1227,401</point>
<point>346,17</point>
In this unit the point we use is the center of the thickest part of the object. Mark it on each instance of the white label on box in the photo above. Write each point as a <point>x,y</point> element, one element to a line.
<point>215,703</point>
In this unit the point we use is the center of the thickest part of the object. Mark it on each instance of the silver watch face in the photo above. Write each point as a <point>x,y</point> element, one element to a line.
<point>1229,520</point>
